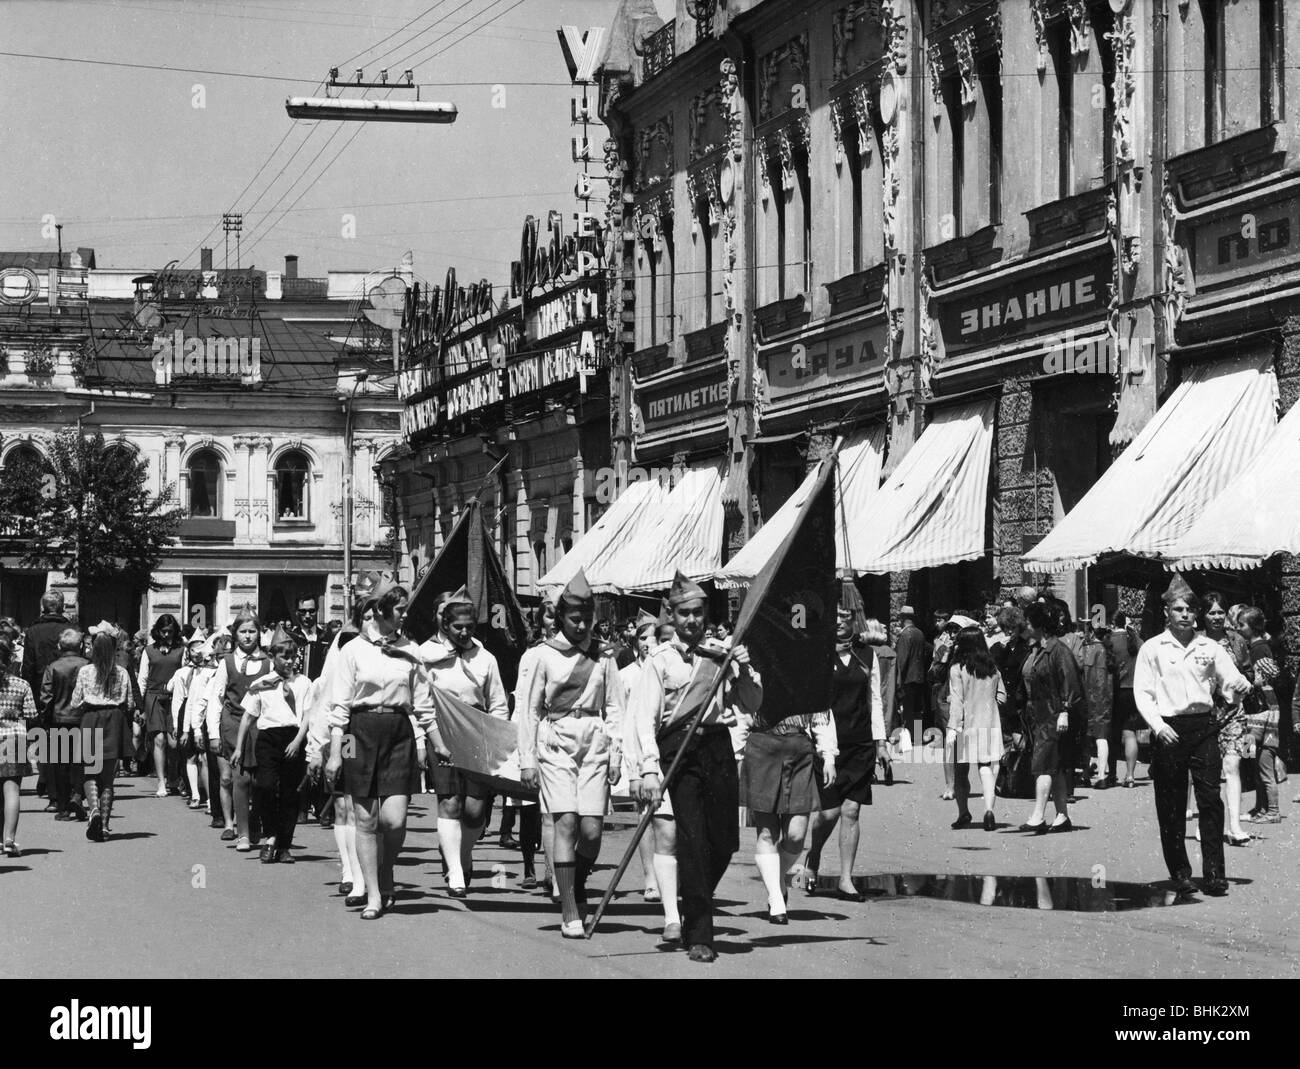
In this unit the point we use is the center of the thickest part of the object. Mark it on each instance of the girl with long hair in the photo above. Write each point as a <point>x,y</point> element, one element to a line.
<point>976,694</point>
<point>185,687</point>
<point>16,708</point>
<point>158,663</point>
<point>104,695</point>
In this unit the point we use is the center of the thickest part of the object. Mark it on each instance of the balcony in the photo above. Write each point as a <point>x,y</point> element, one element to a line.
<point>862,289</point>
<point>659,49</point>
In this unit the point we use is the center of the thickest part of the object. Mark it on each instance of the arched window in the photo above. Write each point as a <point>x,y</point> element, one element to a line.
<point>205,482</point>
<point>291,487</point>
<point>25,456</point>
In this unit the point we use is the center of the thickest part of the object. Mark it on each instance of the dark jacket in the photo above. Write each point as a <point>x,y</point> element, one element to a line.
<point>57,685</point>
<point>1052,686</point>
<point>910,648</point>
<point>41,648</point>
<point>313,652</point>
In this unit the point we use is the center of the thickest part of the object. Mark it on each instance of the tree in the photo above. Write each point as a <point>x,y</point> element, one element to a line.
<point>85,510</point>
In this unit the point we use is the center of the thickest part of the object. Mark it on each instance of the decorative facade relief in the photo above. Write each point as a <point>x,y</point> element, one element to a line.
<point>654,153</point>
<point>732,106</point>
<point>929,340</point>
<point>1080,27</point>
<point>1174,270</point>
<point>1038,15</point>
<point>964,44</point>
<point>793,53</point>
<point>702,133</point>
<point>893,25</point>
<point>935,62</point>
<point>1123,42</point>
<point>892,184</point>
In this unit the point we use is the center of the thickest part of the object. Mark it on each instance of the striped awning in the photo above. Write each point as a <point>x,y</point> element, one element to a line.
<point>859,479</point>
<point>1258,514</point>
<point>1195,445</point>
<point>931,511</point>
<point>630,516</point>
<point>686,536</point>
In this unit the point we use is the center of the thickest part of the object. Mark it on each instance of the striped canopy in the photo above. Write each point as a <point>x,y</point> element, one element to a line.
<point>1196,444</point>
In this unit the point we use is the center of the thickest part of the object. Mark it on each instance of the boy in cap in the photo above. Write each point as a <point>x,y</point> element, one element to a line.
<point>1174,682</point>
<point>705,797</point>
<point>570,743</point>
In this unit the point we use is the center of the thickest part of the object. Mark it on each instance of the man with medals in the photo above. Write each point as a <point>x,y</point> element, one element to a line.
<point>675,681</point>
<point>570,743</point>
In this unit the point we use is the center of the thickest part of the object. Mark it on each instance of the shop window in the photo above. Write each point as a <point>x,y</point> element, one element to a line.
<point>292,483</point>
<point>204,472</point>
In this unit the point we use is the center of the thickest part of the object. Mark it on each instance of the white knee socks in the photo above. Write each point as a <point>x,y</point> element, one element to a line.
<point>345,862</point>
<point>450,845</point>
<point>665,869</point>
<point>769,867</point>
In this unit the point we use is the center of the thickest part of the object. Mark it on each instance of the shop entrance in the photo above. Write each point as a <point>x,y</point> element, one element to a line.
<point>204,605</point>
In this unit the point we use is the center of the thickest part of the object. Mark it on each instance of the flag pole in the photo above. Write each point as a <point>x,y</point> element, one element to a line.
<point>758,591</point>
<point>648,815</point>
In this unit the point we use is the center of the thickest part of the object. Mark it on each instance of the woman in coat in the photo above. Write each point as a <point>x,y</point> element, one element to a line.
<point>1053,697</point>
<point>975,696</point>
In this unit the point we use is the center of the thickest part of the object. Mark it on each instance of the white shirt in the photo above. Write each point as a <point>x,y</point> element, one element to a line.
<point>367,675</point>
<point>267,703</point>
<point>247,663</point>
<point>1171,680</point>
<point>472,676</point>
<point>549,670</point>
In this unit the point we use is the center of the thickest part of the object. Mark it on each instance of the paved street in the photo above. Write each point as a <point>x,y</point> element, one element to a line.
<point>167,898</point>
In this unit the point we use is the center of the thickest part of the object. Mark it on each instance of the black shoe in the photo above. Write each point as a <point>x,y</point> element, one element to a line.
<point>267,854</point>
<point>216,822</point>
<point>352,901</point>
<point>989,823</point>
<point>1183,885</point>
<point>63,816</point>
<point>963,821</point>
<point>1216,886</point>
<point>283,857</point>
<point>777,918</point>
<point>456,892</point>
<point>700,952</point>
<point>508,842</point>
<point>849,896</point>
<point>327,823</point>
<point>1037,829</point>
<point>529,882</point>
<point>1065,825</point>
<point>345,888</point>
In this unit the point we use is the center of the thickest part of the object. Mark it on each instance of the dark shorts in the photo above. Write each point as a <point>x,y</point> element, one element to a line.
<point>853,772</point>
<point>777,775</point>
<point>449,782</point>
<point>383,761</point>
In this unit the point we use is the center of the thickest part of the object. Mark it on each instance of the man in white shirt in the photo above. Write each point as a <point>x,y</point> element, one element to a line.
<point>1174,682</point>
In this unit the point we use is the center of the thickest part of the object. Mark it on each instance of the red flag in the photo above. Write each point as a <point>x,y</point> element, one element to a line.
<point>788,619</point>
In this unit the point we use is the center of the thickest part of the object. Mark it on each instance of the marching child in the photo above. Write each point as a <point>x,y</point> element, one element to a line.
<point>278,703</point>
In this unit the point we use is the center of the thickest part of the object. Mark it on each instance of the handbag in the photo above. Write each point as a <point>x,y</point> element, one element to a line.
<point>1015,776</point>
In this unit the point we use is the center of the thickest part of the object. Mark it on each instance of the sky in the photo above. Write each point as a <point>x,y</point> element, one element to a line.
<point>131,167</point>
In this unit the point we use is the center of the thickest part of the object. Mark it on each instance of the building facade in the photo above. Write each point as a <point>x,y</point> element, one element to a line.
<point>506,399</point>
<point>242,390</point>
<point>883,214</point>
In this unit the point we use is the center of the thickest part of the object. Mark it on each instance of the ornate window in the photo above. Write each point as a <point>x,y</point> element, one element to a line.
<point>25,456</point>
<point>205,481</point>
<point>292,487</point>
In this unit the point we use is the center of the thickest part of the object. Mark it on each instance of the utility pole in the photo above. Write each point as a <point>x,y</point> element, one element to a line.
<point>232,223</point>
<point>348,428</point>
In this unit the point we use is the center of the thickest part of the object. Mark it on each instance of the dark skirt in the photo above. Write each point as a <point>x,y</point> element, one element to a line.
<point>157,713</point>
<point>110,730</point>
<point>1126,710</point>
<point>853,772</point>
<point>777,775</point>
<point>1053,751</point>
<point>383,760</point>
<point>230,735</point>
<point>449,782</point>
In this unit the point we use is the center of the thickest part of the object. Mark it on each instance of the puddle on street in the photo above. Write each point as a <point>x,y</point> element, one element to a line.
<point>1073,893</point>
